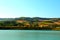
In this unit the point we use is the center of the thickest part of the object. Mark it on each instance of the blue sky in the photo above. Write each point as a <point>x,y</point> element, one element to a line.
<point>29,8</point>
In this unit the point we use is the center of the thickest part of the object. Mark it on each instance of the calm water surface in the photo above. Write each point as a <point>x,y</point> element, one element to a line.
<point>29,35</point>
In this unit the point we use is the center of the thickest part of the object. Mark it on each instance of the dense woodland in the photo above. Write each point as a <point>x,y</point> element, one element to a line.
<point>27,23</point>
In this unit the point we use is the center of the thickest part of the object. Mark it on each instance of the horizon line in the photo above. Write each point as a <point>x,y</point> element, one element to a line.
<point>30,17</point>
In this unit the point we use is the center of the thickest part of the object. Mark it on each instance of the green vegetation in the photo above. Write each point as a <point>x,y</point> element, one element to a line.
<point>27,23</point>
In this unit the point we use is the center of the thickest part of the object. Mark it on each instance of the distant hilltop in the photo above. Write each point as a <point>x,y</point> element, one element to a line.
<point>37,19</point>
<point>30,19</point>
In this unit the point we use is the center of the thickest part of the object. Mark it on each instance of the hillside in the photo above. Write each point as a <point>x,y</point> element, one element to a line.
<point>35,23</point>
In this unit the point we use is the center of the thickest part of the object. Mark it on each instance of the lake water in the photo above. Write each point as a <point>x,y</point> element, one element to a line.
<point>29,35</point>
